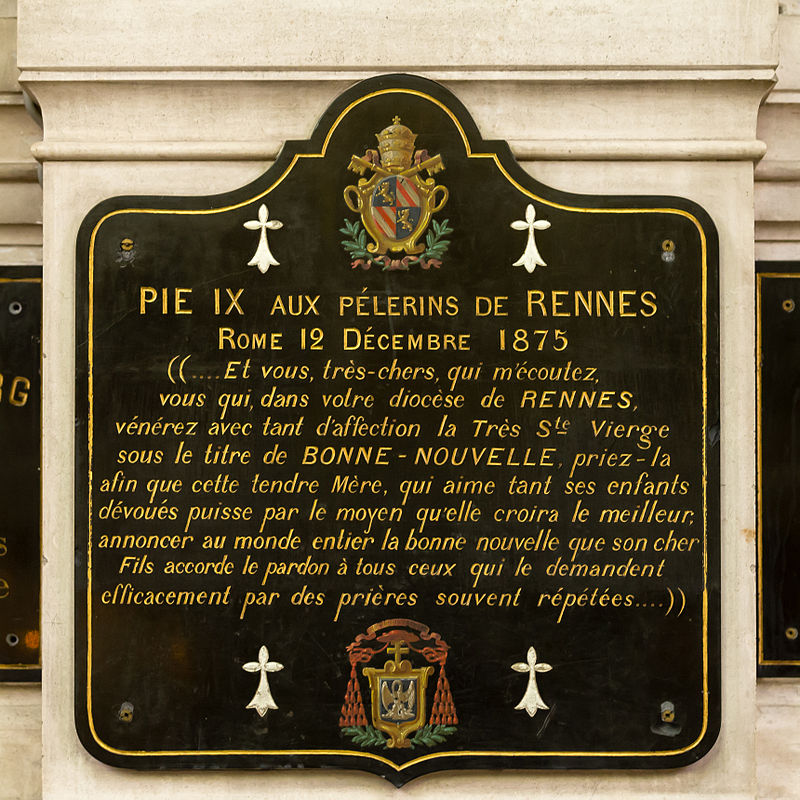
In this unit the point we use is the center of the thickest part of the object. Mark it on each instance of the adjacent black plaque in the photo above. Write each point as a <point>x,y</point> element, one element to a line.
<point>397,460</point>
<point>778,332</point>
<point>20,434</point>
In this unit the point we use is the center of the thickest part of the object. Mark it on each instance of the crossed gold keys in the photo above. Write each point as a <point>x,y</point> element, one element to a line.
<point>360,165</point>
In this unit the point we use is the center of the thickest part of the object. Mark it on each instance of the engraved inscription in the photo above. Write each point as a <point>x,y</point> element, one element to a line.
<point>401,470</point>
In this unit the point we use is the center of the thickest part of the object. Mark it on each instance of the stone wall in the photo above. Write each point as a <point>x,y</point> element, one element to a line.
<point>659,97</point>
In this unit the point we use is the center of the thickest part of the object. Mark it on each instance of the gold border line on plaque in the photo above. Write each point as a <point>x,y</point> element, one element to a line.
<point>767,662</point>
<point>532,195</point>
<point>38,664</point>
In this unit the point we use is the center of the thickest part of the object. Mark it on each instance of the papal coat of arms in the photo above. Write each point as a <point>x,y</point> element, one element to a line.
<point>396,204</point>
<point>398,690</point>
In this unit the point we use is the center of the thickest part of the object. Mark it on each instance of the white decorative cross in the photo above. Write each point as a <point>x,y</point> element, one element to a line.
<point>263,258</point>
<point>531,700</point>
<point>262,700</point>
<point>530,259</point>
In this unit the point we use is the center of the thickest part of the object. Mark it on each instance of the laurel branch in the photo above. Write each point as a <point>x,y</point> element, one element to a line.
<point>427,736</point>
<point>356,243</point>
<point>436,245</point>
<point>431,735</point>
<point>366,736</point>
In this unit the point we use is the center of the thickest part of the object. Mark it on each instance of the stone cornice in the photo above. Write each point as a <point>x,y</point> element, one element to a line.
<point>524,150</point>
<point>548,115</point>
<point>559,74</point>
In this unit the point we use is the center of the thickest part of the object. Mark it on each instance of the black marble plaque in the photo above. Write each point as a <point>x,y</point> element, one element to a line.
<point>778,332</point>
<point>20,432</point>
<point>397,460</point>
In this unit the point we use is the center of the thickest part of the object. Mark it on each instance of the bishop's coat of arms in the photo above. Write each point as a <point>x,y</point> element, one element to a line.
<point>396,204</point>
<point>398,690</point>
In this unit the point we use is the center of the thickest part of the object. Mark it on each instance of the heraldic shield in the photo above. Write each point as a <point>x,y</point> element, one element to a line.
<point>398,691</point>
<point>398,696</point>
<point>396,202</point>
<point>396,207</point>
